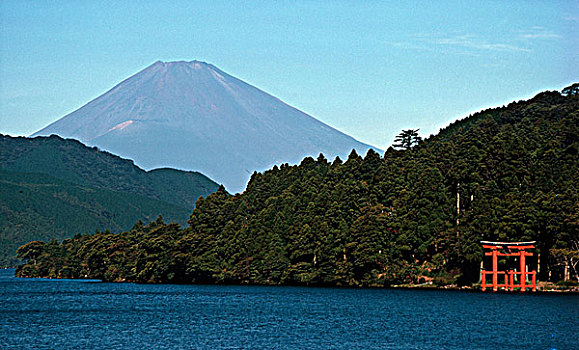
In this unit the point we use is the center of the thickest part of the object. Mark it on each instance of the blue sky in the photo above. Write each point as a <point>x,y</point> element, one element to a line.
<point>367,68</point>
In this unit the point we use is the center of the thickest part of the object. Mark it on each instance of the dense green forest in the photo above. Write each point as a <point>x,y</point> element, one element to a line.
<point>415,214</point>
<point>56,188</point>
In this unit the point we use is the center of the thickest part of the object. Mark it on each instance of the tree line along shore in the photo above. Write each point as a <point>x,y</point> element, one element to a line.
<point>413,216</point>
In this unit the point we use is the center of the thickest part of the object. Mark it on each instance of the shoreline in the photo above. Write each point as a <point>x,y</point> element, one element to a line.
<point>423,287</point>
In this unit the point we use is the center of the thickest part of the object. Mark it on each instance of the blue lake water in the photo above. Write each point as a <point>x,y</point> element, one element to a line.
<point>64,314</point>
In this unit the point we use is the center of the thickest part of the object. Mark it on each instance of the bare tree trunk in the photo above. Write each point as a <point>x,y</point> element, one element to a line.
<point>457,208</point>
<point>457,203</point>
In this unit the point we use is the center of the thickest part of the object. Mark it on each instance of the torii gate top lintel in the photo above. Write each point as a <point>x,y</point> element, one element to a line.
<point>521,245</point>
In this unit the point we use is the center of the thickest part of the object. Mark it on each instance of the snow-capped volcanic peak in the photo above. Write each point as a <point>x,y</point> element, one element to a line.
<point>192,115</point>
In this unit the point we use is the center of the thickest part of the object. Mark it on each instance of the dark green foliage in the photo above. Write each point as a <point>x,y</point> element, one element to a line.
<point>368,221</point>
<point>55,188</point>
<point>407,139</point>
<point>571,90</point>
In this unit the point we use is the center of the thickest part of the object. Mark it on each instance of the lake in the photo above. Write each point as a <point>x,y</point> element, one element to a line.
<point>63,314</point>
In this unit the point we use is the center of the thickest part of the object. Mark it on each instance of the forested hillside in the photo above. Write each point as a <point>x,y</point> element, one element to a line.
<point>71,161</point>
<point>417,213</point>
<point>55,188</point>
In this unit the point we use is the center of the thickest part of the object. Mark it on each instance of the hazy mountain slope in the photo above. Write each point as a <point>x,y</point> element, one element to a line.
<point>191,115</point>
<point>40,207</point>
<point>73,162</point>
<point>55,188</point>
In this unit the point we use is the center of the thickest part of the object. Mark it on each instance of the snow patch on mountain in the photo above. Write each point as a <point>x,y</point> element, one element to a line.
<point>121,126</point>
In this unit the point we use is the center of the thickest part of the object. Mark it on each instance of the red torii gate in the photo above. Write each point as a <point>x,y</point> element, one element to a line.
<point>508,249</point>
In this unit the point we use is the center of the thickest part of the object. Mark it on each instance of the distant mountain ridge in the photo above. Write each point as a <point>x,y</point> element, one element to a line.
<point>191,115</point>
<point>56,188</point>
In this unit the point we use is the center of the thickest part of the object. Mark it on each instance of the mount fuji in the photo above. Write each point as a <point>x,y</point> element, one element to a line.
<point>193,116</point>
